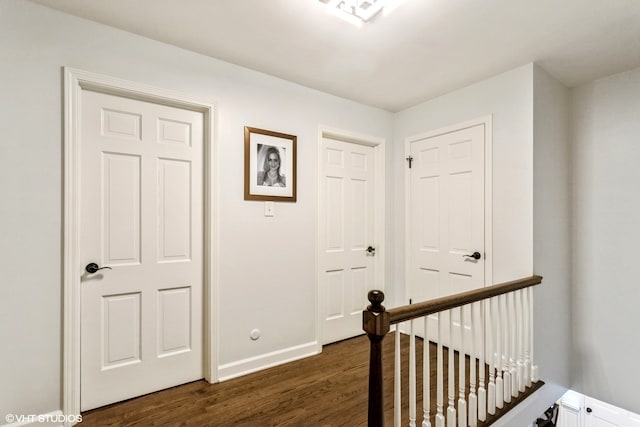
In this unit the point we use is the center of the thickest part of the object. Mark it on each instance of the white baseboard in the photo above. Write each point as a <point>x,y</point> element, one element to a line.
<point>269,360</point>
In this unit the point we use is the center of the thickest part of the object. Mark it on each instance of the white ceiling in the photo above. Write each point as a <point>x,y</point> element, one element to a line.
<point>425,48</point>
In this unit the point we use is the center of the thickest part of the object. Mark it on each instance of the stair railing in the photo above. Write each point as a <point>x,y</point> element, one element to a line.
<point>495,329</point>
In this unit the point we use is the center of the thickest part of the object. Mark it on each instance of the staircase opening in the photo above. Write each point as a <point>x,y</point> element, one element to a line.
<point>479,370</point>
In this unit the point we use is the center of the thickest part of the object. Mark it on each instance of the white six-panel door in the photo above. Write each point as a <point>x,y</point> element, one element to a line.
<point>447,216</point>
<point>347,219</point>
<point>141,175</point>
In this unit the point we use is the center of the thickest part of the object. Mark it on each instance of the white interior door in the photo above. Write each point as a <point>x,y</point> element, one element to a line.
<point>347,219</point>
<point>141,210</point>
<point>447,214</point>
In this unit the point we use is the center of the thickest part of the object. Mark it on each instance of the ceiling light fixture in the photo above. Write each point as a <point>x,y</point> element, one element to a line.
<point>358,12</point>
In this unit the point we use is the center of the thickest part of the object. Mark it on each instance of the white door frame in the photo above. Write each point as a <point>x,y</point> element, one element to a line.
<point>75,82</point>
<point>488,196</point>
<point>378,145</point>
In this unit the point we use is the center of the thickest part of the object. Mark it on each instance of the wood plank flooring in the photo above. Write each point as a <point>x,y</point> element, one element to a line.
<point>329,389</point>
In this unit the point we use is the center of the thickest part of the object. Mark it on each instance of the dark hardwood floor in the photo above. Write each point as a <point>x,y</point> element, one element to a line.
<point>329,389</point>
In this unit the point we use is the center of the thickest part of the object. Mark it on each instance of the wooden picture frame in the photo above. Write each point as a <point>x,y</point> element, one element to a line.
<point>270,163</point>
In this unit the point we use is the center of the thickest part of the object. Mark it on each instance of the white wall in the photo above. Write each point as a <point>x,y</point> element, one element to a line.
<point>267,265</point>
<point>552,229</point>
<point>508,97</point>
<point>606,236</point>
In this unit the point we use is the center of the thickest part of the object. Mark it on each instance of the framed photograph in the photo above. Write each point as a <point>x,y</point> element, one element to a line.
<point>269,165</point>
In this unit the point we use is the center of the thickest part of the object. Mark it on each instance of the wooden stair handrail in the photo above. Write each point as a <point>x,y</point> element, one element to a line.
<point>421,309</point>
<point>376,322</point>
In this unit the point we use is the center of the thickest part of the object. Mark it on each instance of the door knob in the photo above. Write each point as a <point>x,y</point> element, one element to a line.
<point>475,255</point>
<point>93,267</point>
<point>371,250</point>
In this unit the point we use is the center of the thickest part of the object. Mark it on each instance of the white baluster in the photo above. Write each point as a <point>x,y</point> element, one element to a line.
<point>451,376</point>
<point>397,397</point>
<point>498,356</point>
<point>462,401</point>
<point>473,399</point>
<point>514,339</point>
<point>440,379</point>
<point>491,388</point>
<point>506,328</point>
<point>534,367</point>
<point>527,341</point>
<point>521,333</point>
<point>426,380</point>
<point>482,348</point>
<point>412,375</point>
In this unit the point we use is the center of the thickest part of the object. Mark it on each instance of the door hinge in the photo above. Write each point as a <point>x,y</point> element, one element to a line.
<point>409,159</point>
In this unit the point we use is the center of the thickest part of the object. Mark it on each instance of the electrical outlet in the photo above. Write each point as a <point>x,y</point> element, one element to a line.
<point>269,209</point>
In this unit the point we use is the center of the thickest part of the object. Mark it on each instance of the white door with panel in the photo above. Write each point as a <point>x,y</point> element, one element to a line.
<point>141,210</point>
<point>601,414</point>
<point>347,240</point>
<point>577,410</point>
<point>447,214</point>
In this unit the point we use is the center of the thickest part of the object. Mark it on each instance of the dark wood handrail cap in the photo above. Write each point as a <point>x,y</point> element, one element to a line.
<point>424,308</point>
<point>376,298</point>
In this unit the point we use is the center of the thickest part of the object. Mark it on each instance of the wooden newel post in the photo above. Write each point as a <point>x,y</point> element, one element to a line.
<point>376,323</point>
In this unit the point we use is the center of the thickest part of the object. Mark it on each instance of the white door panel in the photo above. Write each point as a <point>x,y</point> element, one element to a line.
<point>446,218</point>
<point>600,414</point>
<point>142,216</point>
<point>347,219</point>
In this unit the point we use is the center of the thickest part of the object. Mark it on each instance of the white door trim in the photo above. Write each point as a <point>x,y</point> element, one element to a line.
<point>378,145</point>
<point>488,195</point>
<point>75,82</point>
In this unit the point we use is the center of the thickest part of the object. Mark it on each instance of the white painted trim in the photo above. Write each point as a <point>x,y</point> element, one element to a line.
<point>76,81</point>
<point>349,136</point>
<point>487,121</point>
<point>572,400</point>
<point>573,411</point>
<point>488,199</point>
<point>525,412</point>
<point>265,361</point>
<point>407,221</point>
<point>379,146</point>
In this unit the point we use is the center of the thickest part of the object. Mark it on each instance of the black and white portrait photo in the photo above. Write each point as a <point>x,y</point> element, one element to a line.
<point>270,165</point>
<point>271,172</point>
